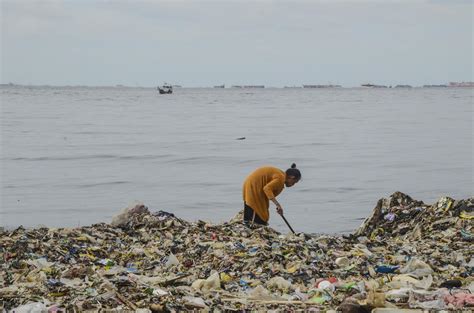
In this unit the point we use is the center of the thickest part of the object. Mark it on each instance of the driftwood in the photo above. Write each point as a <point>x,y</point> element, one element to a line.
<point>297,302</point>
<point>172,280</point>
<point>125,301</point>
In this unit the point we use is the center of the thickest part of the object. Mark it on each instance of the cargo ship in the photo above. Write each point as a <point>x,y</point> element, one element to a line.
<point>248,86</point>
<point>374,86</point>
<point>463,84</point>
<point>435,86</point>
<point>321,86</point>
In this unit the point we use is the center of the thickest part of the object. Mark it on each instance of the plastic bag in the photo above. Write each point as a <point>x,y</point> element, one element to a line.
<point>33,307</point>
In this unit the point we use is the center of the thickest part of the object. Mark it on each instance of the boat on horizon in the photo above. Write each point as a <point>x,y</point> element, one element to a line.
<point>165,89</point>
<point>254,86</point>
<point>373,86</point>
<point>248,86</point>
<point>462,84</point>
<point>435,86</point>
<point>322,86</point>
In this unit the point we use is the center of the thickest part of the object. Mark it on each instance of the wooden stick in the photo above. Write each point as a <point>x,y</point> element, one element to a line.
<point>271,301</point>
<point>287,224</point>
<point>125,301</point>
<point>172,280</point>
<point>118,295</point>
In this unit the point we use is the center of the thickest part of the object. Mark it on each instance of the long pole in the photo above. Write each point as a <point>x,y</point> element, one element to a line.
<point>287,224</point>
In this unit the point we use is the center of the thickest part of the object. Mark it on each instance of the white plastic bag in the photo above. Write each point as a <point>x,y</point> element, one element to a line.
<point>33,307</point>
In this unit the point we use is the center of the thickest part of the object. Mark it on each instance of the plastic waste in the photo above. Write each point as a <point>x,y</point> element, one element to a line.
<point>260,293</point>
<point>390,217</point>
<point>194,302</point>
<point>351,307</point>
<point>398,294</point>
<point>244,284</point>
<point>106,262</point>
<point>470,288</point>
<point>40,263</point>
<point>212,282</point>
<point>429,305</point>
<point>466,235</point>
<point>299,295</point>
<point>386,268</point>
<point>407,281</point>
<point>160,262</point>
<point>362,249</point>
<point>198,284</point>
<point>460,300</point>
<point>424,299</point>
<point>416,268</point>
<point>392,310</point>
<point>172,260</point>
<point>225,278</point>
<point>326,285</point>
<point>454,283</point>
<point>124,217</point>
<point>279,283</point>
<point>33,307</point>
<point>343,262</point>
<point>320,298</point>
<point>445,203</point>
<point>376,299</point>
<point>159,292</point>
<point>466,215</point>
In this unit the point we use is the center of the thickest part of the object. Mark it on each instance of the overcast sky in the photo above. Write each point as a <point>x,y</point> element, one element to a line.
<point>204,43</point>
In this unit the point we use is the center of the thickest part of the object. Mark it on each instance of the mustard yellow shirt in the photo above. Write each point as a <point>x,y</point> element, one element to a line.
<point>263,184</point>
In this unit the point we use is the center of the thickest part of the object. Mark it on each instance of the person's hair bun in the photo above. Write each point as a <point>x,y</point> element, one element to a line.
<point>293,171</point>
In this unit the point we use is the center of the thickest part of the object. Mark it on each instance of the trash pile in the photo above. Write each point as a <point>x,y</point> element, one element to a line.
<point>405,255</point>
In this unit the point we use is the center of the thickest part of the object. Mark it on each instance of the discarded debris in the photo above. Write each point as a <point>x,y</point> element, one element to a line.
<point>405,255</point>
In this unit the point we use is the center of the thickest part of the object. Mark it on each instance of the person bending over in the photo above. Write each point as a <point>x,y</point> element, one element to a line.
<point>261,187</point>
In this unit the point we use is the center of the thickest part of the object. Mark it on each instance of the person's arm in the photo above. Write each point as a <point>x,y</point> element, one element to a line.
<point>268,189</point>
<point>278,206</point>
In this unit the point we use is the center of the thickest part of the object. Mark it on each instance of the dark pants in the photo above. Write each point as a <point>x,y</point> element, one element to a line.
<point>251,216</point>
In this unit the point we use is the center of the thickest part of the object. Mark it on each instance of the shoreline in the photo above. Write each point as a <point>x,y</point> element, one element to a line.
<point>406,254</point>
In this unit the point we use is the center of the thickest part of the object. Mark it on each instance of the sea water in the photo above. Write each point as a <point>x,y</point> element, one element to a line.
<point>73,156</point>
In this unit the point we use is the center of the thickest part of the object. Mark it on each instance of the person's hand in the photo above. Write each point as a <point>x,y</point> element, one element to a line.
<point>279,210</point>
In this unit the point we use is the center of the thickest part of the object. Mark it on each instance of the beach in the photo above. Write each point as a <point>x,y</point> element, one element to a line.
<point>405,255</point>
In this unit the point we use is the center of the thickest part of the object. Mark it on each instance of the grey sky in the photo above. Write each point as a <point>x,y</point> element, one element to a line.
<point>203,43</point>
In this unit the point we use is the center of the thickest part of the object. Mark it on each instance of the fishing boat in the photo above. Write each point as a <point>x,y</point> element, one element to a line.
<point>165,89</point>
